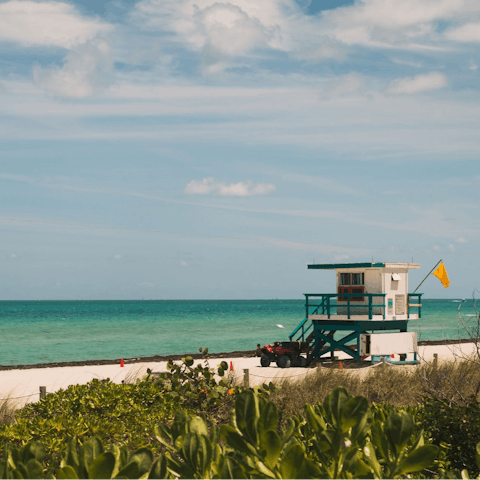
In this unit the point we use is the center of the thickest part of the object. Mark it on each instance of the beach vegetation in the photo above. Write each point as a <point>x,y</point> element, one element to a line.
<point>333,433</point>
<point>8,407</point>
<point>124,414</point>
<point>343,437</point>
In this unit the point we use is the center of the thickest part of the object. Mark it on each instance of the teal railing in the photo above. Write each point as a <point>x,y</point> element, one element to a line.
<point>329,308</point>
<point>301,325</point>
<point>328,305</point>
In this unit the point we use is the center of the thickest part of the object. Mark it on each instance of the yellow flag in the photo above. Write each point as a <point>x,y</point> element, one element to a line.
<point>441,274</point>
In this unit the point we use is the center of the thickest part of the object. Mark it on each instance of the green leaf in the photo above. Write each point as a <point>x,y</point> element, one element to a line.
<point>102,466</point>
<point>313,470</point>
<point>477,455</point>
<point>130,470</point>
<point>334,403</point>
<point>88,451</point>
<point>197,452</point>
<point>271,447</point>
<point>159,469</point>
<point>247,413</point>
<point>179,469</point>
<point>399,428</point>
<point>34,450</point>
<point>179,426</point>
<point>268,420</point>
<point>20,471</point>
<point>71,457</point>
<point>67,472</point>
<point>379,439</point>
<point>293,463</point>
<point>236,441</point>
<point>197,425</point>
<point>261,470</point>
<point>144,458</point>
<point>421,458</point>
<point>353,413</point>
<point>35,468</point>
<point>371,459</point>
<point>116,452</point>
<point>289,431</point>
<point>232,469</point>
<point>314,421</point>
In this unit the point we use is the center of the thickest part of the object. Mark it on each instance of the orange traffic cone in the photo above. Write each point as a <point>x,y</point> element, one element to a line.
<point>341,366</point>
<point>231,366</point>
<point>121,362</point>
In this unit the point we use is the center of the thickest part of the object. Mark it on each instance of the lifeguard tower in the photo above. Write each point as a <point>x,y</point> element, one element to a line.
<point>367,316</point>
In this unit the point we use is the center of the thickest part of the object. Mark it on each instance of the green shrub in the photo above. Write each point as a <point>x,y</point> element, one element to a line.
<point>456,428</point>
<point>124,414</point>
<point>341,438</point>
<point>114,413</point>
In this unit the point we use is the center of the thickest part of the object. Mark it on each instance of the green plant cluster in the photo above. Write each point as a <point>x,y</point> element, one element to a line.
<point>456,428</point>
<point>342,438</point>
<point>120,414</point>
<point>124,414</point>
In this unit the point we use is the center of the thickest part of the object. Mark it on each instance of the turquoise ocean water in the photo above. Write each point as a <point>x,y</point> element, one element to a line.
<point>34,332</point>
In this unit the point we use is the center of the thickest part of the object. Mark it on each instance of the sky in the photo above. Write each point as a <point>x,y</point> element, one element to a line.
<point>202,149</point>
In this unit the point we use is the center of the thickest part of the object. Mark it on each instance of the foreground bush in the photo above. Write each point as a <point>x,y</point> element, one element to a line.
<point>455,426</point>
<point>124,414</point>
<point>341,438</point>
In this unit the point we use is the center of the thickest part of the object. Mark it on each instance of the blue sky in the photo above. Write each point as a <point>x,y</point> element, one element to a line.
<point>206,149</point>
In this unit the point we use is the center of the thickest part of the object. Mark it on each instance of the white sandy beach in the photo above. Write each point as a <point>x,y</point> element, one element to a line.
<point>24,385</point>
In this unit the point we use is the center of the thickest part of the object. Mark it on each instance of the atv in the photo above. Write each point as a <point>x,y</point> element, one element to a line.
<point>285,354</point>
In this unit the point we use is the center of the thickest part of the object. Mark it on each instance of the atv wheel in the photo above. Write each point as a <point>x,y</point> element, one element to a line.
<point>301,362</point>
<point>265,361</point>
<point>283,361</point>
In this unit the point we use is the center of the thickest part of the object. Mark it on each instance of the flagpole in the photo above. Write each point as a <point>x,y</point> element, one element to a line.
<point>439,262</point>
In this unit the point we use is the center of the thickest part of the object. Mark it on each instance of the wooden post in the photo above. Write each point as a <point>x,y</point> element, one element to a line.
<point>246,378</point>
<point>43,392</point>
<point>435,361</point>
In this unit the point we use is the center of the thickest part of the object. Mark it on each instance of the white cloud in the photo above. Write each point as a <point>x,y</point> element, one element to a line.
<point>12,255</point>
<point>461,240</point>
<point>183,263</point>
<point>419,83</point>
<point>469,32</point>
<point>222,30</point>
<point>394,14</point>
<point>241,189</point>
<point>232,27</point>
<point>350,84</point>
<point>54,24</point>
<point>437,248</point>
<point>86,71</point>
<point>451,248</point>
<point>340,257</point>
<point>228,30</point>
<point>388,22</point>
<point>117,256</point>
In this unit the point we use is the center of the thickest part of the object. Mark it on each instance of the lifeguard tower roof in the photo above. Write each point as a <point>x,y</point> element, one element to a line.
<point>334,266</point>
